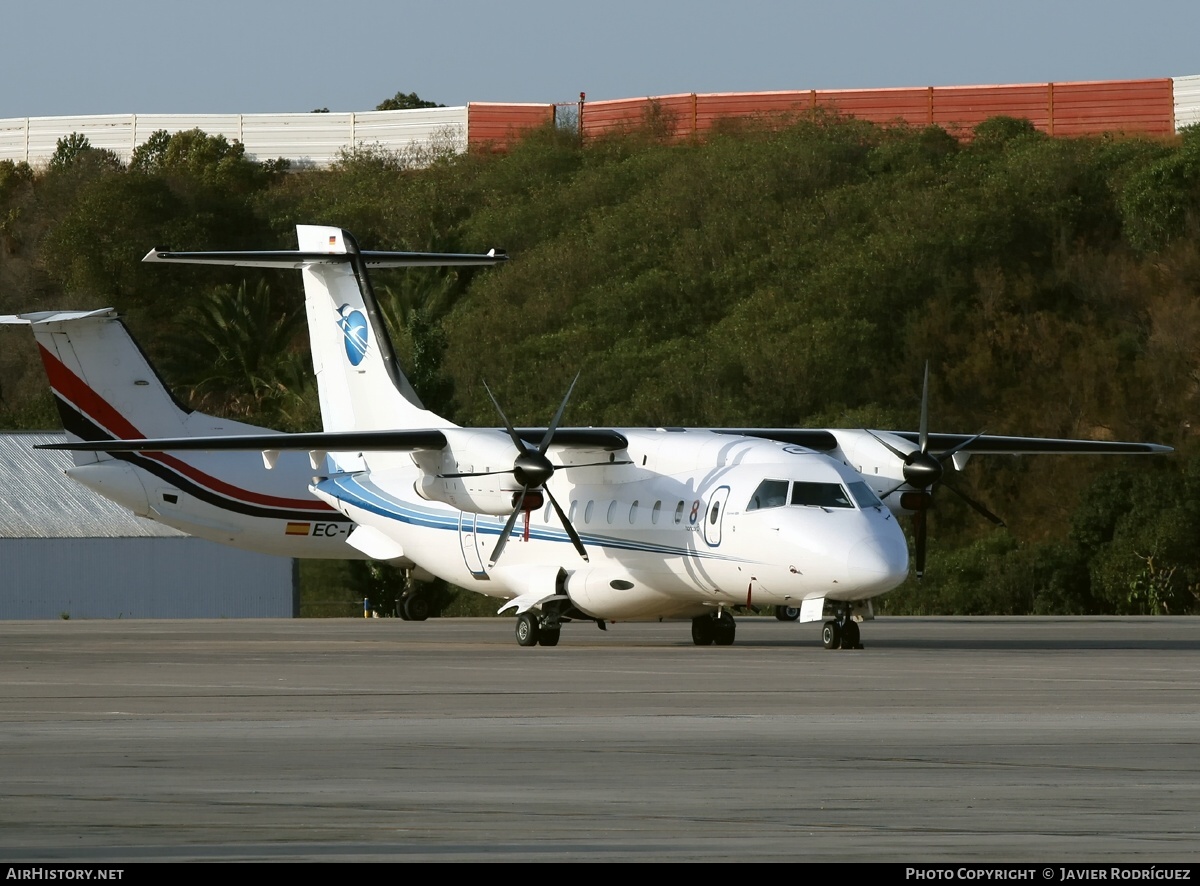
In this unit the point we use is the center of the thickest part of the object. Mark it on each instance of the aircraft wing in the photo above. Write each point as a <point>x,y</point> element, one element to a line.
<point>341,441</point>
<point>295,259</point>
<point>822,441</point>
<point>608,439</point>
<point>990,444</point>
<point>825,440</point>
<point>576,438</point>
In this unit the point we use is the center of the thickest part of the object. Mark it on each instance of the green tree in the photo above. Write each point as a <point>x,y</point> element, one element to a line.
<point>74,149</point>
<point>1160,200</point>
<point>414,311</point>
<point>239,354</point>
<point>201,159</point>
<point>403,101</point>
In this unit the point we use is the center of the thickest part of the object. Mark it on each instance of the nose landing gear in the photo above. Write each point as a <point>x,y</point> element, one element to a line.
<point>718,628</point>
<point>841,632</point>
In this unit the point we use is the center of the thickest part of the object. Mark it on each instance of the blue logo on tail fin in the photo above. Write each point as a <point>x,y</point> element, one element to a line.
<point>354,330</point>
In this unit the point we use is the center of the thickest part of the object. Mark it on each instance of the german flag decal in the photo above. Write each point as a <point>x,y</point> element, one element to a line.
<point>297,529</point>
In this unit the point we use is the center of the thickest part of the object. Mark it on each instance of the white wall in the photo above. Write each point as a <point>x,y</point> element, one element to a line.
<point>141,578</point>
<point>304,139</point>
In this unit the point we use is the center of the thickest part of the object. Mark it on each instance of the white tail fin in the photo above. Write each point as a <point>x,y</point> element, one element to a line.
<point>360,384</point>
<point>106,389</point>
<point>359,381</point>
<point>102,383</point>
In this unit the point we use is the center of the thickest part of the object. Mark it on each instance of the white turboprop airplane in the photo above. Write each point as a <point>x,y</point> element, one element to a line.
<point>659,523</point>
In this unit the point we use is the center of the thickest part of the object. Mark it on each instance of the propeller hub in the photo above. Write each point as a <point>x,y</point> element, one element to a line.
<point>922,470</point>
<point>532,469</point>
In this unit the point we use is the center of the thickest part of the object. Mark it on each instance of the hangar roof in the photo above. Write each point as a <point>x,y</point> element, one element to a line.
<point>38,500</point>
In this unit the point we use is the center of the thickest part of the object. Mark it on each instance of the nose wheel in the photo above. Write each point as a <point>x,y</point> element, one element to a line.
<point>841,633</point>
<point>718,629</point>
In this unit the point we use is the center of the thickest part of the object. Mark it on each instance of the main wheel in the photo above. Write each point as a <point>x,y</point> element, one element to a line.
<point>703,630</point>
<point>831,635</point>
<point>787,613</point>
<point>527,629</point>
<point>548,636</point>
<point>416,607</point>
<point>850,637</point>
<point>726,629</point>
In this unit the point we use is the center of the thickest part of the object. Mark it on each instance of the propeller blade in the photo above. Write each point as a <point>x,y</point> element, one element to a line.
<point>919,540</point>
<point>979,508</point>
<point>557,417</point>
<point>923,433</point>
<point>942,456</point>
<point>473,474</point>
<point>508,528</point>
<point>575,540</point>
<point>903,456</point>
<point>517,441</point>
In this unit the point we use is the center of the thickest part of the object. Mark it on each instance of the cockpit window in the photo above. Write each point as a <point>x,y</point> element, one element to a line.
<point>865,495</point>
<point>821,495</point>
<point>769,494</point>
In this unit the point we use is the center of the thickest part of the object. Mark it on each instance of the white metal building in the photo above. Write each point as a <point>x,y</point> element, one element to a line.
<point>66,552</point>
<point>304,139</point>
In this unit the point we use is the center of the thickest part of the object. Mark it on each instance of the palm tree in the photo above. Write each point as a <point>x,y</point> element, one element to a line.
<point>414,312</point>
<point>243,355</point>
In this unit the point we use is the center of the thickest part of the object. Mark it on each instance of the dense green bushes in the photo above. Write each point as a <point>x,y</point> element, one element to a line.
<point>795,274</point>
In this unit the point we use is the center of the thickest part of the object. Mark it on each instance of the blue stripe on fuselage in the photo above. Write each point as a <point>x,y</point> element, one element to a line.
<point>358,492</point>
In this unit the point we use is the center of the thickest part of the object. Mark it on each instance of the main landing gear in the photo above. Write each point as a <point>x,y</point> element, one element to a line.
<point>841,632</point>
<point>415,607</point>
<point>535,630</point>
<point>787,613</point>
<point>718,628</point>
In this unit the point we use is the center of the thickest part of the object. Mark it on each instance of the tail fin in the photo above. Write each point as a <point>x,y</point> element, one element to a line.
<point>360,384</point>
<point>103,385</point>
<point>359,381</point>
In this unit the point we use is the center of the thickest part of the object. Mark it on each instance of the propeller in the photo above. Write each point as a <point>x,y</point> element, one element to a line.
<point>924,471</point>
<point>532,469</point>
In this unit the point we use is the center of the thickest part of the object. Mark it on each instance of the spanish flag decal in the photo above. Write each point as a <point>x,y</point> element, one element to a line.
<point>297,529</point>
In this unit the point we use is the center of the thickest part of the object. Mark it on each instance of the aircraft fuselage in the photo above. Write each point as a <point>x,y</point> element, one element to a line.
<point>676,532</point>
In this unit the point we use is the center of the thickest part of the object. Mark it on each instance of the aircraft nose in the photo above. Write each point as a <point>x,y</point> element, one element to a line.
<point>879,562</point>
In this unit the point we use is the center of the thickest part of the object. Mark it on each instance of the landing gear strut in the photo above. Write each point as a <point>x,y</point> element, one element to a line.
<point>719,628</point>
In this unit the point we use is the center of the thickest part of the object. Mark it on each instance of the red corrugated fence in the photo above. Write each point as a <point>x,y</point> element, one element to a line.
<point>1137,106</point>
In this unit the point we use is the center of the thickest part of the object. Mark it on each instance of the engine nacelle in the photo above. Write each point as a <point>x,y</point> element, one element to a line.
<point>486,452</point>
<point>494,495</point>
<point>612,594</point>
<point>879,467</point>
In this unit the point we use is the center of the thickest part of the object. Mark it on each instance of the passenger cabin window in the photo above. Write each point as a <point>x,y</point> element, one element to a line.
<point>769,494</point>
<point>633,508</point>
<point>820,495</point>
<point>655,512</point>
<point>679,513</point>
